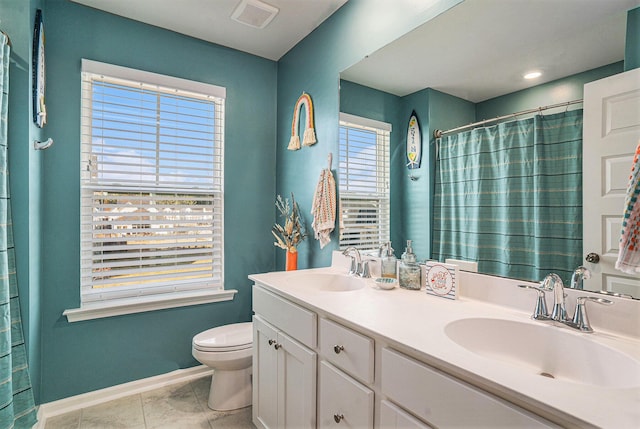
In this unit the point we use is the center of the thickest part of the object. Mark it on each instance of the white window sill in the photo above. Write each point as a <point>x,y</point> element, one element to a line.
<point>148,303</point>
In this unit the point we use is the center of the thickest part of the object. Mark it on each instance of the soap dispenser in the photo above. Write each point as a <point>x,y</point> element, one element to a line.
<point>389,262</point>
<point>409,271</point>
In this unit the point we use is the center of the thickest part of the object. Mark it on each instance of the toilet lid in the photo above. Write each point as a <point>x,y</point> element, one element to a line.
<point>236,336</point>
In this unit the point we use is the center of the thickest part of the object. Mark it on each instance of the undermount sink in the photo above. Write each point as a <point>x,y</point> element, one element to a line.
<point>547,350</point>
<point>328,282</point>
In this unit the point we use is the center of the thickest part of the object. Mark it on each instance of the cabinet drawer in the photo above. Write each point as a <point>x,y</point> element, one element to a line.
<point>392,417</point>
<point>343,403</point>
<point>347,349</point>
<point>444,401</point>
<point>296,321</point>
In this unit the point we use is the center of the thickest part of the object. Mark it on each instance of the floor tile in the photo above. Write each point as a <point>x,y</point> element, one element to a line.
<point>123,413</point>
<point>201,387</point>
<point>64,421</point>
<point>179,406</point>
<point>238,419</point>
<point>174,406</point>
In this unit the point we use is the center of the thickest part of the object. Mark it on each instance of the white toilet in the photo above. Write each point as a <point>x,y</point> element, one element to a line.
<point>228,350</point>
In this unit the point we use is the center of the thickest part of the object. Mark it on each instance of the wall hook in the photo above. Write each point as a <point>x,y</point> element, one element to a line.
<point>42,145</point>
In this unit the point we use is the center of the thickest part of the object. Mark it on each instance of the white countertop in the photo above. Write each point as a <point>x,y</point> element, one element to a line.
<point>416,321</point>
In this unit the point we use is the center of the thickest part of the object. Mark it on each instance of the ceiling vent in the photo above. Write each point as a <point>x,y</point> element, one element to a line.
<point>254,13</point>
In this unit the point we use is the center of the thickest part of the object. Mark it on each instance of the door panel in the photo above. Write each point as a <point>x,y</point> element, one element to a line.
<point>611,135</point>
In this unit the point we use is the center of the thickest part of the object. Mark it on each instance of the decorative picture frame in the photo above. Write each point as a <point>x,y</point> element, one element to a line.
<point>441,279</point>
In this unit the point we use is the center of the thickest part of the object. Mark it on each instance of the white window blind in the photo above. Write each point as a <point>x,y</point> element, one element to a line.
<point>364,182</point>
<point>151,183</point>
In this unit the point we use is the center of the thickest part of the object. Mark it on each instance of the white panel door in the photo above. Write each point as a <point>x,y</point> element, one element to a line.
<point>611,134</point>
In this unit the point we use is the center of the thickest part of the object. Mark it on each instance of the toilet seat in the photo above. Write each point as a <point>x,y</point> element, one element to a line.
<point>228,338</point>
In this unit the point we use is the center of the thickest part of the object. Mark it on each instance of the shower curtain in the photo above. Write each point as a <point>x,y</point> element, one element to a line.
<point>17,407</point>
<point>509,196</point>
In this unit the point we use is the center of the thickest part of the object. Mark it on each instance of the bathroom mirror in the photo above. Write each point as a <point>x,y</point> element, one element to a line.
<point>479,50</point>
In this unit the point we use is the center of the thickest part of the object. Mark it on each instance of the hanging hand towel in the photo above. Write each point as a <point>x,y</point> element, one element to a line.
<point>323,208</point>
<point>629,254</point>
<point>309,136</point>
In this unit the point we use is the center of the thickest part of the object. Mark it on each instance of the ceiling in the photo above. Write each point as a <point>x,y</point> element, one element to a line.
<point>480,49</point>
<point>210,20</point>
<point>477,50</point>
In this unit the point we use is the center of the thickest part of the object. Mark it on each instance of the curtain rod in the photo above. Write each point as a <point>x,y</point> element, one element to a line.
<point>440,133</point>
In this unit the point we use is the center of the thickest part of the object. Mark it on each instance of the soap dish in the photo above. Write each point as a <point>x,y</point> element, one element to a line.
<point>386,282</point>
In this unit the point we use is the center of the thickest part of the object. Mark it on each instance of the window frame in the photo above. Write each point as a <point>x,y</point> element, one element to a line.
<point>127,300</point>
<point>383,142</point>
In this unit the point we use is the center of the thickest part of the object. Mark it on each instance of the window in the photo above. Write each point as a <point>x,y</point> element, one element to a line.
<point>151,187</point>
<point>364,182</point>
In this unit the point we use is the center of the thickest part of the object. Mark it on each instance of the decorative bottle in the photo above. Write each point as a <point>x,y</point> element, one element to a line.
<point>388,265</point>
<point>409,271</point>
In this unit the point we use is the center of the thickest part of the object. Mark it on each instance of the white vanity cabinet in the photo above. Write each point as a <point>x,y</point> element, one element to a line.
<point>360,379</point>
<point>284,369</point>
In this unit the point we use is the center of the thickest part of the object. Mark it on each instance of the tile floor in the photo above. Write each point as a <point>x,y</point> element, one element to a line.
<point>179,406</point>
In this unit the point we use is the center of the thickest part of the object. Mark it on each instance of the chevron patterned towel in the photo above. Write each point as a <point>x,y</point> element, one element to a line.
<point>323,208</point>
<point>629,255</point>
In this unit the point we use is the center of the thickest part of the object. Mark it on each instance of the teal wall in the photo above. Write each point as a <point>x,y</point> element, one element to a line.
<point>558,91</point>
<point>78,357</point>
<point>110,351</point>
<point>411,201</point>
<point>370,103</point>
<point>632,47</point>
<point>313,65</point>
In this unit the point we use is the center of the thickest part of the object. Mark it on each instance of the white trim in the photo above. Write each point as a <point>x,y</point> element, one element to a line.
<point>111,70</point>
<point>365,122</point>
<point>139,304</point>
<point>84,400</point>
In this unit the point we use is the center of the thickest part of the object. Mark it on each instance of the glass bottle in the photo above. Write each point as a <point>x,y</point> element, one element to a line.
<point>388,264</point>
<point>409,271</point>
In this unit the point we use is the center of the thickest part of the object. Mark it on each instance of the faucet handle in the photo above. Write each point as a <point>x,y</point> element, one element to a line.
<point>540,312</point>
<point>366,272</point>
<point>580,320</point>
<point>353,267</point>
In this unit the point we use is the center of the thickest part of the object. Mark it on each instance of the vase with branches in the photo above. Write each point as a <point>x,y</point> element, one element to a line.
<point>292,233</point>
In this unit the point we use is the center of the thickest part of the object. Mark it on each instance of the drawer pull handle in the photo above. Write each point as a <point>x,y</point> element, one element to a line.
<point>338,349</point>
<point>277,346</point>
<point>272,342</point>
<point>338,417</point>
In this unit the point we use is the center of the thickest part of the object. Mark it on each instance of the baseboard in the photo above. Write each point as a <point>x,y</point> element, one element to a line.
<point>74,403</point>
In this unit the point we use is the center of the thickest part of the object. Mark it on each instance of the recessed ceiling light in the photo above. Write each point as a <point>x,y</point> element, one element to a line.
<point>533,75</point>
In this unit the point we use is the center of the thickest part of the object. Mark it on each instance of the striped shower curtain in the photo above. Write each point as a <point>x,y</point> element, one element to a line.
<point>509,196</point>
<point>17,408</point>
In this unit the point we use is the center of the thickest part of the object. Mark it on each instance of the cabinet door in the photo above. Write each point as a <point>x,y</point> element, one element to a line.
<point>344,403</point>
<point>392,417</point>
<point>265,374</point>
<point>296,384</point>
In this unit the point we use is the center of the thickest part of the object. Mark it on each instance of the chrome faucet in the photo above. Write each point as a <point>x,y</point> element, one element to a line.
<point>553,282</point>
<point>578,276</point>
<point>358,267</point>
<point>356,261</point>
